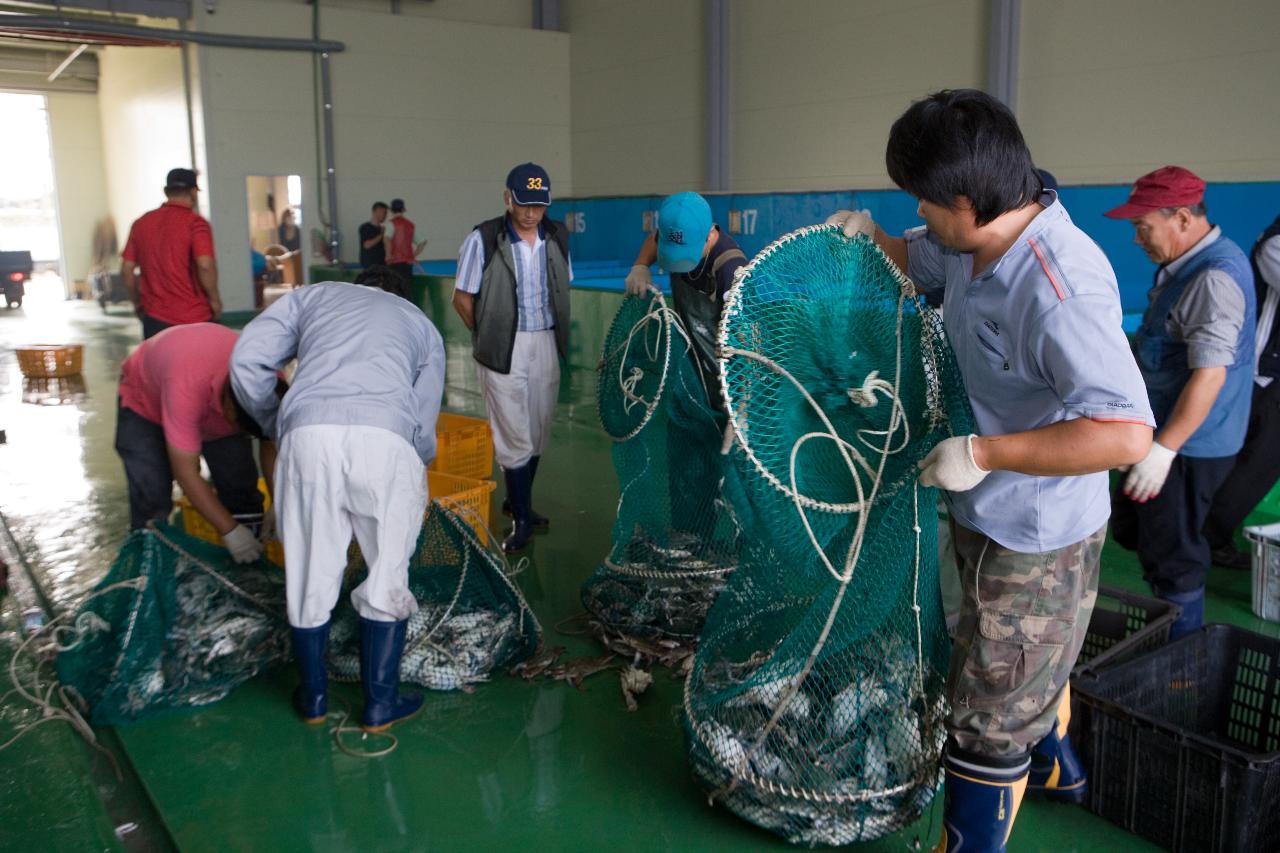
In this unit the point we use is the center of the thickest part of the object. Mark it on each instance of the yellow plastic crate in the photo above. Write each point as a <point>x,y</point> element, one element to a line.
<point>464,446</point>
<point>467,496</point>
<point>195,524</point>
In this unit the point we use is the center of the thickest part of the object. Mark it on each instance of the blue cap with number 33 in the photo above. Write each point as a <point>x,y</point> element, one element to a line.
<point>529,184</point>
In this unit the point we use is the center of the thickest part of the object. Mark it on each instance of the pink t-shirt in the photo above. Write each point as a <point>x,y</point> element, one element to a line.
<point>175,379</point>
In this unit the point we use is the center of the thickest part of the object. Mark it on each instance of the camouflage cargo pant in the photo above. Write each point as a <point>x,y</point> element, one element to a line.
<point>1022,624</point>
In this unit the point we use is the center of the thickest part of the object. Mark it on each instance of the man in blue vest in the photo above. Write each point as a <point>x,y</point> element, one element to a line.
<point>512,292</point>
<point>1258,464</point>
<point>1195,349</point>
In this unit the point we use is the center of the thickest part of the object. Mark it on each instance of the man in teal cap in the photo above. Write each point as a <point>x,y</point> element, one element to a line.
<point>702,261</point>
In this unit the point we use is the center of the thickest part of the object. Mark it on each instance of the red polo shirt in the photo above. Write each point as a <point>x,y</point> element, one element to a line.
<point>165,244</point>
<point>175,379</point>
<point>401,249</point>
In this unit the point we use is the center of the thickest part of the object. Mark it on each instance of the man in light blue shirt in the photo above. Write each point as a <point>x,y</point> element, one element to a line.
<point>512,292</point>
<point>356,431</point>
<point>1032,311</point>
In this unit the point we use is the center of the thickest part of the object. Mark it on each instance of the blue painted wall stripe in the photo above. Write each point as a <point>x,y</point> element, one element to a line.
<point>606,232</point>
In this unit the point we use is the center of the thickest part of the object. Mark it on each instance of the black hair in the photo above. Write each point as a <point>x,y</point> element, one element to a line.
<point>379,205</point>
<point>244,420</point>
<point>397,205</point>
<point>962,142</point>
<point>385,278</point>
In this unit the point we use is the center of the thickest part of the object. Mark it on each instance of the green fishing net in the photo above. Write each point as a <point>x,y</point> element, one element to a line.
<point>471,619</point>
<point>177,623</point>
<point>815,706</point>
<point>673,542</point>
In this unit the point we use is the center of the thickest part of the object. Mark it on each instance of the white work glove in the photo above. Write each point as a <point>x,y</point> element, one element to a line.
<point>240,541</point>
<point>639,281</point>
<point>1146,479</point>
<point>267,531</point>
<point>950,466</point>
<point>854,222</point>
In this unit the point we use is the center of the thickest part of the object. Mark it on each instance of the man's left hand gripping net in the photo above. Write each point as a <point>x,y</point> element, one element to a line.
<point>674,543</point>
<point>815,706</point>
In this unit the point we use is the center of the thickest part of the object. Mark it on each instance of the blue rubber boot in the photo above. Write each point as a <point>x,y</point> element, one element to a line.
<point>540,522</point>
<point>1192,616</point>
<point>381,644</point>
<point>1056,771</point>
<point>981,802</point>
<point>519,492</point>
<point>311,696</point>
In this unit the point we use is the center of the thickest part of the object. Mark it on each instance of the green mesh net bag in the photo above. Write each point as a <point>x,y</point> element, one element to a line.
<point>176,623</point>
<point>673,542</point>
<point>815,704</point>
<point>471,619</point>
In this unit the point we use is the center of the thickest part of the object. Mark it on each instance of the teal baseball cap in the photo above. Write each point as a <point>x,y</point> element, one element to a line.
<point>684,221</point>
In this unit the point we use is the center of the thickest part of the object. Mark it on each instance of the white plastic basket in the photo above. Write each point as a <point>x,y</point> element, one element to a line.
<point>1266,570</point>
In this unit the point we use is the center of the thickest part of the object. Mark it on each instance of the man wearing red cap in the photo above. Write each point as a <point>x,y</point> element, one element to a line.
<point>1195,349</point>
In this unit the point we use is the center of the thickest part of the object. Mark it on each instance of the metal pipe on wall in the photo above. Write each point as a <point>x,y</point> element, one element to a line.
<point>28,24</point>
<point>331,177</point>
<point>717,156</point>
<point>1002,51</point>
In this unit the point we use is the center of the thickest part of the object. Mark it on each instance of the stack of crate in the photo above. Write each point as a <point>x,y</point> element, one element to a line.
<point>460,479</point>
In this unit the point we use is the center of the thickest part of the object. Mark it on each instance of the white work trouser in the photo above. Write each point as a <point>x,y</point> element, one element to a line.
<point>522,402</point>
<point>332,481</point>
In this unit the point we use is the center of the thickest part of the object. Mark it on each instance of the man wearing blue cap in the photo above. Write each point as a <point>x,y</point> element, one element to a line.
<point>702,261</point>
<point>513,294</point>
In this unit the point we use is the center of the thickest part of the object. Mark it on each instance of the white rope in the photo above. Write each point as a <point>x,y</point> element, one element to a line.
<point>657,311</point>
<point>864,396</point>
<point>43,697</point>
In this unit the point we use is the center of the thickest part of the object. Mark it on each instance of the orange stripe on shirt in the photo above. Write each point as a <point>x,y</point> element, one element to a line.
<point>1045,266</point>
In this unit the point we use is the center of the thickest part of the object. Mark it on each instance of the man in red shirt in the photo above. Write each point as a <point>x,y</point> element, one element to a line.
<point>173,247</point>
<point>175,406</point>
<point>402,252</point>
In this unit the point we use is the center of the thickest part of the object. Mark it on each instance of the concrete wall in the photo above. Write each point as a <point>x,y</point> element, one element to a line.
<point>816,84</point>
<point>431,110</point>
<point>437,113</point>
<point>75,131</point>
<point>502,13</point>
<point>144,127</point>
<point>1108,91</point>
<point>257,120</point>
<point>639,101</point>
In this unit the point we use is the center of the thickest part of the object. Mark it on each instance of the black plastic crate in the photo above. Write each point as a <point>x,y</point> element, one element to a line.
<point>1124,625</point>
<point>1183,743</point>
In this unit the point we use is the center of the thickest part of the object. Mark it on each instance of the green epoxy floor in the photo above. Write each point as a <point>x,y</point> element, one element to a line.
<point>513,766</point>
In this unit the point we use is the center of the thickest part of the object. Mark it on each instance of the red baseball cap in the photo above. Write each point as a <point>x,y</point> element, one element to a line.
<point>1168,186</point>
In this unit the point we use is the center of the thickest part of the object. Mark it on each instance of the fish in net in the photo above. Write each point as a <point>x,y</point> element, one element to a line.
<point>472,619</point>
<point>176,623</point>
<point>815,706</point>
<point>674,542</point>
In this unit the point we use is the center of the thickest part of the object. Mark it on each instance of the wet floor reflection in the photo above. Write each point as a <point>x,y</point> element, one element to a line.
<point>63,492</point>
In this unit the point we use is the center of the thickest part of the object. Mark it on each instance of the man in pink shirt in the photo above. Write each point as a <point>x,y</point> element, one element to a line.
<point>176,405</point>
